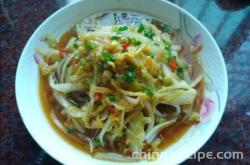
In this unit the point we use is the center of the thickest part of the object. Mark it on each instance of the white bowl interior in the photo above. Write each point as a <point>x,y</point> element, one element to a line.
<point>27,93</point>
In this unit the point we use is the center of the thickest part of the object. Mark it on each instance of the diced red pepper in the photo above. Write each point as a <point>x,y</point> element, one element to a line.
<point>173,64</point>
<point>112,110</point>
<point>98,96</point>
<point>125,45</point>
<point>62,53</point>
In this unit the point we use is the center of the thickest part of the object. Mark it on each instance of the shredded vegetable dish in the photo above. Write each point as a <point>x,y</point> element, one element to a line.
<point>117,88</point>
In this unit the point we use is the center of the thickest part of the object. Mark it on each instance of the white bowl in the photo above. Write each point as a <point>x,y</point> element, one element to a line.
<point>27,93</point>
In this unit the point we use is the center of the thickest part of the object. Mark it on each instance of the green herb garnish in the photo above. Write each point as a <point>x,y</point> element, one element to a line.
<point>149,33</point>
<point>108,57</point>
<point>151,55</point>
<point>96,142</point>
<point>167,46</point>
<point>69,130</point>
<point>167,57</point>
<point>75,45</point>
<point>141,28</point>
<point>122,28</point>
<point>180,72</point>
<point>165,28</point>
<point>149,91</point>
<point>115,38</point>
<point>112,98</point>
<point>119,28</point>
<point>129,75</point>
<point>135,42</point>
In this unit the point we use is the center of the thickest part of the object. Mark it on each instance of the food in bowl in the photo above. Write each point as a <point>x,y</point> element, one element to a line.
<point>121,89</point>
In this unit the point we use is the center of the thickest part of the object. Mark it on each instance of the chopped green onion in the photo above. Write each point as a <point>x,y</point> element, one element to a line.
<point>114,38</point>
<point>149,33</point>
<point>69,130</point>
<point>165,28</point>
<point>123,28</point>
<point>119,28</point>
<point>129,75</point>
<point>141,28</point>
<point>96,142</point>
<point>167,45</point>
<point>108,57</point>
<point>138,43</point>
<point>180,72</point>
<point>167,57</point>
<point>149,91</point>
<point>151,55</point>
<point>112,98</point>
<point>75,45</point>
<point>135,42</point>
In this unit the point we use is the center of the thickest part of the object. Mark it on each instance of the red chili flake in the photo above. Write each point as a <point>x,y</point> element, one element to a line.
<point>98,96</point>
<point>112,110</point>
<point>62,53</point>
<point>125,45</point>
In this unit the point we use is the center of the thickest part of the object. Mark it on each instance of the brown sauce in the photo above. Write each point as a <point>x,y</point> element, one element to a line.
<point>171,135</point>
<point>48,101</point>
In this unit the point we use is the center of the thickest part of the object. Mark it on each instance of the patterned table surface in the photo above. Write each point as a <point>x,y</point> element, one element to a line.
<point>227,20</point>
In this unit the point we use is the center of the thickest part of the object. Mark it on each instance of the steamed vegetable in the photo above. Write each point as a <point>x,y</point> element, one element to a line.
<point>118,87</point>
